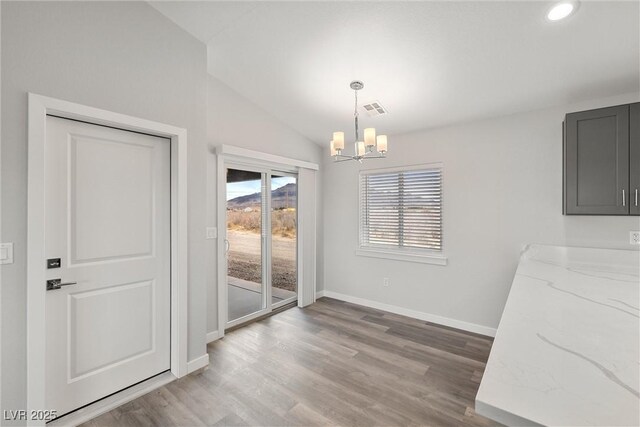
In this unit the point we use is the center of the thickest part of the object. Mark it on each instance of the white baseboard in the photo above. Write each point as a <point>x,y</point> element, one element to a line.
<point>213,336</point>
<point>433,318</point>
<point>198,363</point>
<point>108,403</point>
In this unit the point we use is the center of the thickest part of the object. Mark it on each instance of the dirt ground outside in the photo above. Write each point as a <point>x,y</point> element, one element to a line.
<point>245,258</point>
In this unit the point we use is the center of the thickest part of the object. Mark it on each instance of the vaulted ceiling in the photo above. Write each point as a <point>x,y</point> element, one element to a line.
<point>429,63</point>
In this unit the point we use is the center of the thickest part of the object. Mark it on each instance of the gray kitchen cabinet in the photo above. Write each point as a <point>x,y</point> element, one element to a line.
<point>634,158</point>
<point>596,162</point>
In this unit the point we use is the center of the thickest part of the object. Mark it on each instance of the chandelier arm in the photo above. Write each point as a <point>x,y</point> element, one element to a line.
<point>374,156</point>
<point>344,159</point>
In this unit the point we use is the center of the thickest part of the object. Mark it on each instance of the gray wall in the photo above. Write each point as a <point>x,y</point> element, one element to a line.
<point>119,56</point>
<point>234,120</point>
<point>502,190</point>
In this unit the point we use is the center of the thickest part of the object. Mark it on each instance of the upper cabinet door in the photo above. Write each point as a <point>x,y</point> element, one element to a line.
<point>634,158</point>
<point>597,162</point>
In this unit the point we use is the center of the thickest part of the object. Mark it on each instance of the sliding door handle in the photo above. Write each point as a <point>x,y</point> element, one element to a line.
<point>227,246</point>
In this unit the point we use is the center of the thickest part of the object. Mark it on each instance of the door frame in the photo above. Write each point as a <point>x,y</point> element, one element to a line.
<point>242,157</point>
<point>38,109</point>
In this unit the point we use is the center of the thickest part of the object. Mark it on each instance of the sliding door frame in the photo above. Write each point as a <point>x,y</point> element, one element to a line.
<point>266,242</point>
<point>263,162</point>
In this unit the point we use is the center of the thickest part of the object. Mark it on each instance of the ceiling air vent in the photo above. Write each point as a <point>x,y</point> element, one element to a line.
<point>374,109</point>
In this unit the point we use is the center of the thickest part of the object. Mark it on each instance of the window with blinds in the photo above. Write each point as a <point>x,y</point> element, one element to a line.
<point>402,209</point>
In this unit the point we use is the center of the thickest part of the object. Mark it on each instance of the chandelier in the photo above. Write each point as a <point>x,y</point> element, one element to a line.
<point>372,147</point>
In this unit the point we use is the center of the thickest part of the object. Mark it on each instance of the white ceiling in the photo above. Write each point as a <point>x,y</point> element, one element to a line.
<point>429,63</point>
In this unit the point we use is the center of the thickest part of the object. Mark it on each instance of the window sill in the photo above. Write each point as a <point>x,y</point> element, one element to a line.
<point>398,256</point>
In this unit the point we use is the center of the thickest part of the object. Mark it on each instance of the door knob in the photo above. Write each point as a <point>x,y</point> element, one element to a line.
<point>54,284</point>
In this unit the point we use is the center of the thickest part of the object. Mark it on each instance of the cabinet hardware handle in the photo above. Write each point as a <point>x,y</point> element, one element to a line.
<point>636,197</point>
<point>624,202</point>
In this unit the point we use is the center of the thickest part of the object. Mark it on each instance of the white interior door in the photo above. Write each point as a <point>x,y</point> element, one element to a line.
<point>107,218</point>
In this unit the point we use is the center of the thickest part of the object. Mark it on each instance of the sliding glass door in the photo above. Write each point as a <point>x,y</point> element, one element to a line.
<point>261,242</point>
<point>246,284</point>
<point>284,239</point>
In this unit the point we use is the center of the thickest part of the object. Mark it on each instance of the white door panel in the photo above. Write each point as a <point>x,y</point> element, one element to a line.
<point>108,219</point>
<point>101,229</point>
<point>93,330</point>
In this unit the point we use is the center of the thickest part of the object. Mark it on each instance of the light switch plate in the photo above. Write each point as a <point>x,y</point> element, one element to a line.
<point>6,253</point>
<point>212,233</point>
<point>634,237</point>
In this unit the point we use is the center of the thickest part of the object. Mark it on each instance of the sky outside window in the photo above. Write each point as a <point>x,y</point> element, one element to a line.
<point>244,188</point>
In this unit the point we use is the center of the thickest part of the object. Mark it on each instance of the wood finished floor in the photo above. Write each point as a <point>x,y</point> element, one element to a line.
<point>332,363</point>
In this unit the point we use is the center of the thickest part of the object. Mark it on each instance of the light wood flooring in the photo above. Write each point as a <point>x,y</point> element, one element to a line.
<point>332,363</point>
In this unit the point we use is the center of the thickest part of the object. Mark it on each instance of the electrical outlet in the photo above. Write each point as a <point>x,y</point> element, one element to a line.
<point>634,237</point>
<point>385,282</point>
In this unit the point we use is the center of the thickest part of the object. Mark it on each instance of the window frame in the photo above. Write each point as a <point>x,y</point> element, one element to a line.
<point>401,253</point>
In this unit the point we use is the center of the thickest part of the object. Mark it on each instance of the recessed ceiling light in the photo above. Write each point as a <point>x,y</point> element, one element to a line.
<point>561,11</point>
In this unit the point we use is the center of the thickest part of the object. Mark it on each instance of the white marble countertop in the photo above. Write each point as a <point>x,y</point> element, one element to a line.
<point>567,350</point>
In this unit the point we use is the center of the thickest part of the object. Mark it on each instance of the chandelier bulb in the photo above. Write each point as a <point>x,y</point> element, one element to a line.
<point>370,137</point>
<point>381,143</point>
<point>338,140</point>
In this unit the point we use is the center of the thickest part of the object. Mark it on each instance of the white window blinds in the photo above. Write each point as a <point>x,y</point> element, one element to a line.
<point>401,209</point>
